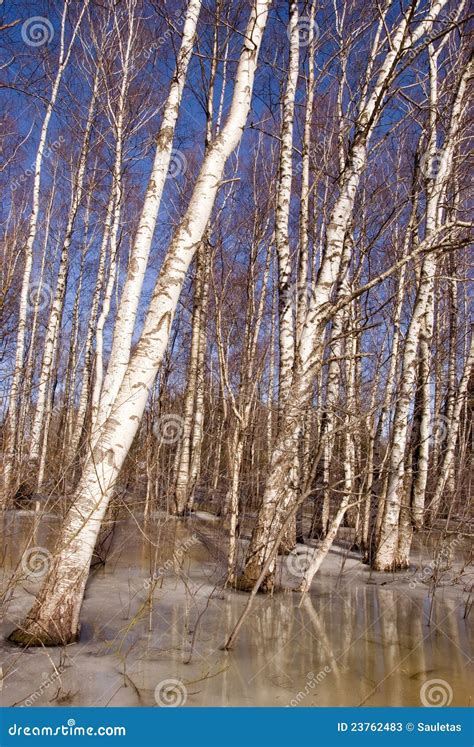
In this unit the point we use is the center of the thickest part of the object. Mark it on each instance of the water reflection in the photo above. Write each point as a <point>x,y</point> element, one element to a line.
<point>348,643</point>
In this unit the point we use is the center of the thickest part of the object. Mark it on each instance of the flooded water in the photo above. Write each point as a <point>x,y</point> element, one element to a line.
<point>357,639</point>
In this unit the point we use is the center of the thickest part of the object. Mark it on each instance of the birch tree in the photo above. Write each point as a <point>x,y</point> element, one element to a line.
<point>388,555</point>
<point>276,501</point>
<point>65,49</point>
<point>54,617</point>
<point>55,317</point>
<point>137,264</point>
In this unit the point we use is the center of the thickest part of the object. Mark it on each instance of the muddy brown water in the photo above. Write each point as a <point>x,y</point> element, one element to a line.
<point>357,639</point>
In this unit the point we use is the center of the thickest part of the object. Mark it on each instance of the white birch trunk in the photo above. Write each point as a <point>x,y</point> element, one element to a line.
<point>110,234</point>
<point>54,617</point>
<point>27,381</point>
<point>55,317</point>
<point>448,458</point>
<point>183,454</point>
<point>390,388</point>
<point>137,264</point>
<point>388,556</point>
<point>275,503</point>
<point>282,215</point>
<point>64,54</point>
<point>198,425</point>
<point>420,477</point>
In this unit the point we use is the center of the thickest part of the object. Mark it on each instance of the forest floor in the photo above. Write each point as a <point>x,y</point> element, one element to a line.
<point>359,638</point>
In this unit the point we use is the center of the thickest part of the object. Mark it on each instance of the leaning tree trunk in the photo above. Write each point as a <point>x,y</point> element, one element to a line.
<point>54,617</point>
<point>320,553</point>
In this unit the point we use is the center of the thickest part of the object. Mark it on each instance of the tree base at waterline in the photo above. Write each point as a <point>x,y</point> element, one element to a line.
<point>390,566</point>
<point>49,625</point>
<point>247,583</point>
<point>180,513</point>
<point>37,636</point>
